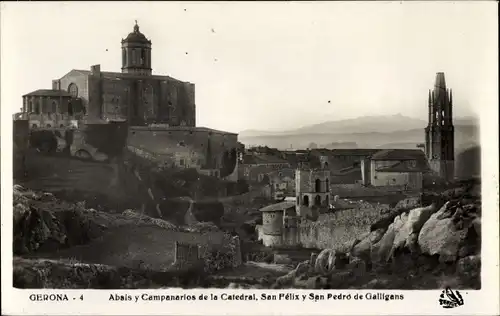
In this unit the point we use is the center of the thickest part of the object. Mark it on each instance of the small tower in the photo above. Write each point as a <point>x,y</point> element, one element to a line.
<point>439,133</point>
<point>312,188</point>
<point>136,53</point>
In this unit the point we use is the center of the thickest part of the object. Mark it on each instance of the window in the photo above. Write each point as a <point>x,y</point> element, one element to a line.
<point>181,162</point>
<point>73,90</point>
<point>143,57</point>
<point>124,57</point>
<point>317,200</point>
<point>134,56</point>
<point>53,107</point>
<point>306,200</point>
<point>317,185</point>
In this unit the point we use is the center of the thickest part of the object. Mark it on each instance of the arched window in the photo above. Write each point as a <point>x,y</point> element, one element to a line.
<point>124,57</point>
<point>317,185</point>
<point>317,200</point>
<point>73,90</point>
<point>134,56</point>
<point>327,184</point>
<point>306,200</point>
<point>53,108</point>
<point>143,57</point>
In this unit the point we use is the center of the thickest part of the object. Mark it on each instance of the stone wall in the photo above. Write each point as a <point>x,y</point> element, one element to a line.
<point>20,144</point>
<point>358,190</point>
<point>338,230</point>
<point>210,148</point>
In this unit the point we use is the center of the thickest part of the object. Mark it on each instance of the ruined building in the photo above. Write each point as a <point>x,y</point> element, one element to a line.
<point>135,94</point>
<point>439,133</point>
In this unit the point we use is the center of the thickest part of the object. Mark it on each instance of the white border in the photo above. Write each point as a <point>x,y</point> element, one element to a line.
<point>483,302</point>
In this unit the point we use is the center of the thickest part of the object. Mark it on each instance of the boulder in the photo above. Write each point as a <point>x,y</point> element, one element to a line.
<point>381,251</point>
<point>440,236</point>
<point>325,263</point>
<point>409,227</point>
<point>362,249</point>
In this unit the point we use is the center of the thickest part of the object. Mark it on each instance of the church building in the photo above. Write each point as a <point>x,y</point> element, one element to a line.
<point>134,94</point>
<point>440,133</point>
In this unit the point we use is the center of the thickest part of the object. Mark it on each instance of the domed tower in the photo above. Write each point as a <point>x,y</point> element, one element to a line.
<point>136,53</point>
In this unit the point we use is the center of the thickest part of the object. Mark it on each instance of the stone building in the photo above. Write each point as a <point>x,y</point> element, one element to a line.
<point>51,108</point>
<point>312,188</point>
<point>395,167</point>
<point>210,151</point>
<point>273,232</point>
<point>134,94</point>
<point>256,167</point>
<point>439,133</point>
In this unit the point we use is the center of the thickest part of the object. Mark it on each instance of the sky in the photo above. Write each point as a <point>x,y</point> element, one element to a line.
<point>267,66</point>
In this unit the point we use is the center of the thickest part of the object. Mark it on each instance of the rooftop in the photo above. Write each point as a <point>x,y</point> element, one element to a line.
<point>121,75</point>
<point>399,154</point>
<point>180,128</point>
<point>262,159</point>
<point>278,206</point>
<point>48,93</point>
<point>403,167</point>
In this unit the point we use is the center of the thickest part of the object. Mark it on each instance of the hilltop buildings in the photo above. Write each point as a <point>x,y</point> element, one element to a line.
<point>134,94</point>
<point>160,111</point>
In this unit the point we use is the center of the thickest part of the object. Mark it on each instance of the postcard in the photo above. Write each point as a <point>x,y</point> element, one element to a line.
<point>250,158</point>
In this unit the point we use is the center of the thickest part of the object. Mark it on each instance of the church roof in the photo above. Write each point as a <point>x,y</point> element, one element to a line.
<point>48,93</point>
<point>121,75</point>
<point>136,36</point>
<point>399,154</point>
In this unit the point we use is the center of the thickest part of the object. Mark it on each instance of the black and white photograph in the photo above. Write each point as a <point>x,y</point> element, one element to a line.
<point>245,146</point>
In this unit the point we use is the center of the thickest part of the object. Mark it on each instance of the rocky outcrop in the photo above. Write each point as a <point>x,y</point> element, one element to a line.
<point>446,232</point>
<point>42,223</point>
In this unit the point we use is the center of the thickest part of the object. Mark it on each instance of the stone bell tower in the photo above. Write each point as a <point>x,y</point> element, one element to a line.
<point>136,53</point>
<point>440,133</point>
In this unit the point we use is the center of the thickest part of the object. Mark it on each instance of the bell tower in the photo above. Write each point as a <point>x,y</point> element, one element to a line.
<point>440,133</point>
<point>136,53</point>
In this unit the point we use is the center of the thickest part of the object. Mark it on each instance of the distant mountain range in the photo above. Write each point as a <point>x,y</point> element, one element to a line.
<point>395,131</point>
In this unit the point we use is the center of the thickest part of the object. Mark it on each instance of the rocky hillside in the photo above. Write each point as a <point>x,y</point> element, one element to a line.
<point>105,249</point>
<point>428,247</point>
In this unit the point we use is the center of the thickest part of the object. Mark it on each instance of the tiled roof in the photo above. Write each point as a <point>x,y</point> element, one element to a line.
<point>403,167</point>
<point>278,206</point>
<point>49,93</point>
<point>262,159</point>
<point>353,152</point>
<point>285,172</point>
<point>399,154</point>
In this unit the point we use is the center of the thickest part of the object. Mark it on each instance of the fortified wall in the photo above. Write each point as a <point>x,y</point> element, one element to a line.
<point>21,132</point>
<point>282,228</point>
<point>204,149</point>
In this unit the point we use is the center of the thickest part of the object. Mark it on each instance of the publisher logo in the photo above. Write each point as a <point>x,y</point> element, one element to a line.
<point>450,298</point>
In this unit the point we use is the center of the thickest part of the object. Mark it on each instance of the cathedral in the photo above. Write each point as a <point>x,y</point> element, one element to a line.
<point>439,133</point>
<point>134,94</point>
